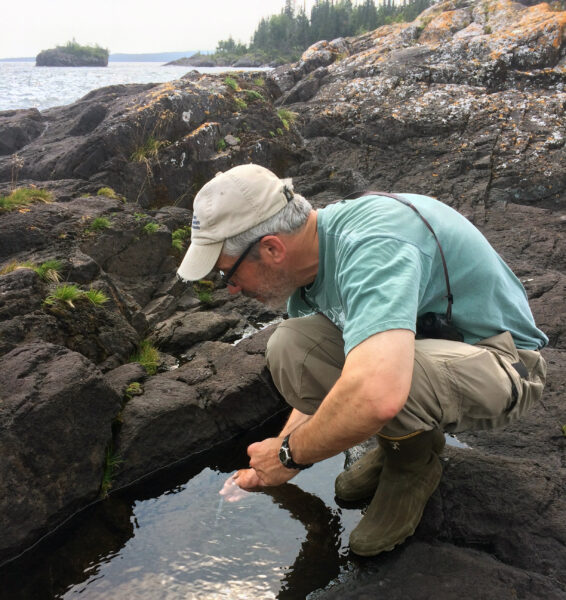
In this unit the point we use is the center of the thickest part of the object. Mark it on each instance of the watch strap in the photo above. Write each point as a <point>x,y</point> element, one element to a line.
<point>286,457</point>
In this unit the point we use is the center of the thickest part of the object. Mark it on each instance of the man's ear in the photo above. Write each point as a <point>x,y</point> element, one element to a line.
<point>272,249</point>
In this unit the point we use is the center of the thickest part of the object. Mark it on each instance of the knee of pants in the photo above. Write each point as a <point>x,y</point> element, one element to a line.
<point>305,357</point>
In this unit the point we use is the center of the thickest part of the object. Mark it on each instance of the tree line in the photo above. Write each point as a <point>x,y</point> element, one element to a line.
<point>287,34</point>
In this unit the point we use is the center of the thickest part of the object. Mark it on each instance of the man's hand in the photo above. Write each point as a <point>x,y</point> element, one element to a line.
<point>264,459</point>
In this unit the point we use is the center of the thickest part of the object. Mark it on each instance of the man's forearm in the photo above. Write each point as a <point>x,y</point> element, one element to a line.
<point>339,423</point>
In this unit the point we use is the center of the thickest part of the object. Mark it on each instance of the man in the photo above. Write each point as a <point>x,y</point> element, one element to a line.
<point>359,275</point>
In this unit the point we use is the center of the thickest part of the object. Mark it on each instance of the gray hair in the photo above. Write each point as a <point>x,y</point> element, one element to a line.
<point>288,220</point>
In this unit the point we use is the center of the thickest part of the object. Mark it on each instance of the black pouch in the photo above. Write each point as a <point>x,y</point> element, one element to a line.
<point>438,327</point>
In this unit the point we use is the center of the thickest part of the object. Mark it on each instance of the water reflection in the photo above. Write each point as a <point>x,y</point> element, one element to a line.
<point>175,537</point>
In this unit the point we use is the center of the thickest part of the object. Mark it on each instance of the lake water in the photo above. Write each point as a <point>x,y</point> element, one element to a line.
<point>176,538</point>
<point>23,85</point>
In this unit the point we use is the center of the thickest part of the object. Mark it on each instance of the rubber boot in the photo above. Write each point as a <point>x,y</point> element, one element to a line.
<point>411,472</point>
<point>360,480</point>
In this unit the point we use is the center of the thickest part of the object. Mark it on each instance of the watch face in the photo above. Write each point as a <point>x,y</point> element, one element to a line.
<point>283,455</point>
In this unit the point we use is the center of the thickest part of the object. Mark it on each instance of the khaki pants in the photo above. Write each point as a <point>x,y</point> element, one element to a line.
<point>455,386</point>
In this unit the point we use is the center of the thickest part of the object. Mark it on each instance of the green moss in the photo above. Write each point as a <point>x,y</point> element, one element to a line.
<point>241,104</point>
<point>204,289</point>
<point>22,197</point>
<point>180,237</point>
<point>108,192</point>
<point>150,228</point>
<point>259,81</point>
<point>232,83</point>
<point>134,389</point>
<point>253,95</point>
<point>221,145</point>
<point>98,224</point>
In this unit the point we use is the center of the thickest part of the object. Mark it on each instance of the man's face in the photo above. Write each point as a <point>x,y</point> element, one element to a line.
<point>269,284</point>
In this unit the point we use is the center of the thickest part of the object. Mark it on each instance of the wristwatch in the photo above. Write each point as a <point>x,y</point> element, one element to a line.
<point>286,458</point>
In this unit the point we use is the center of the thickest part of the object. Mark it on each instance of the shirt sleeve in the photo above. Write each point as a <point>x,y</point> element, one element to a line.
<point>379,282</point>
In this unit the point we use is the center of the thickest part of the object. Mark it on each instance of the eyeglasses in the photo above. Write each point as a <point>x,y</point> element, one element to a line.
<point>227,277</point>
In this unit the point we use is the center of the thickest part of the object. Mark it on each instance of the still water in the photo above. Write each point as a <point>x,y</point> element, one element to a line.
<point>175,538</point>
<point>23,85</point>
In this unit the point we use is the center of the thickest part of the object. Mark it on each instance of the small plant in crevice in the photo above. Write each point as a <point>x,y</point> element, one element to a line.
<point>259,81</point>
<point>98,224</point>
<point>180,237</point>
<point>253,95</point>
<point>203,289</point>
<point>112,464</point>
<point>21,197</point>
<point>241,104</point>
<point>134,389</point>
<point>287,117</point>
<point>221,145</point>
<point>50,270</point>
<point>96,297</point>
<point>147,356</point>
<point>150,228</point>
<point>148,149</point>
<point>232,83</point>
<point>108,192</point>
<point>66,294</point>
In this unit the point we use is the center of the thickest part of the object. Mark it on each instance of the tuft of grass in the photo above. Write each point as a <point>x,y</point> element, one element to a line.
<point>232,83</point>
<point>221,145</point>
<point>96,297</point>
<point>134,389</point>
<point>50,270</point>
<point>259,81</point>
<point>98,224</point>
<point>148,357</point>
<point>149,149</point>
<point>140,216</point>
<point>241,104</point>
<point>66,293</point>
<point>22,197</point>
<point>108,192</point>
<point>112,463</point>
<point>253,95</point>
<point>287,117</point>
<point>150,228</point>
<point>279,131</point>
<point>179,238</point>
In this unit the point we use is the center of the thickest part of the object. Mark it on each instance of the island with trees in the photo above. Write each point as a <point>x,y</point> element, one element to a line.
<point>72,54</point>
<point>282,38</point>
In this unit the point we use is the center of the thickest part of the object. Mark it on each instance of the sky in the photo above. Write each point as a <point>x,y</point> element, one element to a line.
<point>131,26</point>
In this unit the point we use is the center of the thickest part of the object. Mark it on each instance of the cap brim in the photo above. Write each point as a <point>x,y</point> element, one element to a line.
<point>199,261</point>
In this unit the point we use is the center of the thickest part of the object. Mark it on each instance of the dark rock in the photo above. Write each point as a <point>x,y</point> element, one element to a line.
<point>182,331</point>
<point>55,424</point>
<point>18,128</point>
<point>221,392</point>
<point>121,377</point>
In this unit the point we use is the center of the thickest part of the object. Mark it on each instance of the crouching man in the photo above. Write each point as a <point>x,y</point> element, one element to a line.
<point>405,323</point>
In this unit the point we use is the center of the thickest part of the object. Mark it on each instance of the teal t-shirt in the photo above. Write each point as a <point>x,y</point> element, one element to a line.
<point>380,268</point>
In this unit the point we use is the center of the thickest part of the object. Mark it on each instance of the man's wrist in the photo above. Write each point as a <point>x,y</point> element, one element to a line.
<point>286,457</point>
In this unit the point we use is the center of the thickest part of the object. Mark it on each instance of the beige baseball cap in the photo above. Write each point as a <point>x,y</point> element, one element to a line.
<point>227,205</point>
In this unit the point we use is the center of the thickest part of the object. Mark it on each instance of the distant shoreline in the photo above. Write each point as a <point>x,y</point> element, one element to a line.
<point>123,57</point>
